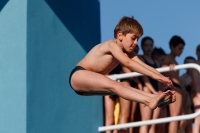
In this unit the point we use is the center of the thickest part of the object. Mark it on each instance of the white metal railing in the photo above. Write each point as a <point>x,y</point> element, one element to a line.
<point>155,121</point>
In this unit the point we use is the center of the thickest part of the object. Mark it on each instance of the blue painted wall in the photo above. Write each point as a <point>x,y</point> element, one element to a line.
<point>41,41</point>
<point>13,28</point>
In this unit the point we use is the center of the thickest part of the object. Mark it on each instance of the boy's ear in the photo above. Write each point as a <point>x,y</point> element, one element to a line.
<point>120,36</point>
<point>171,47</point>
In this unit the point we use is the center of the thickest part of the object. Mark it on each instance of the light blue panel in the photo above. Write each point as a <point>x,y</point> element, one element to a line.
<point>13,66</point>
<point>56,41</point>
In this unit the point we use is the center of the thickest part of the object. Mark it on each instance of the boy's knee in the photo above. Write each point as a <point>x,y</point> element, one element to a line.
<point>115,85</point>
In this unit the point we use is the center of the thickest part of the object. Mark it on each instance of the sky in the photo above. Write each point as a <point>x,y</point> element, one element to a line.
<point>159,19</point>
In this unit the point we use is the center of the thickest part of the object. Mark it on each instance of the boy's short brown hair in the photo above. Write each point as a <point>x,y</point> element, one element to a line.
<point>128,25</point>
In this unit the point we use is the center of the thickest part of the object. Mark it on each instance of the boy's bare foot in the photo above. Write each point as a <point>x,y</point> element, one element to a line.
<point>165,102</point>
<point>163,99</point>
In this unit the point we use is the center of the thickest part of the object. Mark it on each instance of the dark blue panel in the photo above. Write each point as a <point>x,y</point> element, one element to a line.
<point>73,14</point>
<point>2,4</point>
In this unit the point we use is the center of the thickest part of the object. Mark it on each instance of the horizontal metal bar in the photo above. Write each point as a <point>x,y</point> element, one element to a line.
<point>155,121</point>
<point>161,70</point>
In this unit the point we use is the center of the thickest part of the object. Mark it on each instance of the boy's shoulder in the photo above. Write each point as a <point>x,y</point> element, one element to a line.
<point>198,62</point>
<point>168,57</point>
<point>107,47</point>
<point>111,44</point>
<point>107,43</point>
<point>168,60</point>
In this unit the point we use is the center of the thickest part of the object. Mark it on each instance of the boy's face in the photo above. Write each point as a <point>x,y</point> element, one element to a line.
<point>147,47</point>
<point>129,41</point>
<point>189,61</point>
<point>178,49</point>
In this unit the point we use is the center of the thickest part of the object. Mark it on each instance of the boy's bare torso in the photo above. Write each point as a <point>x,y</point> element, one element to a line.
<point>100,59</point>
<point>196,74</point>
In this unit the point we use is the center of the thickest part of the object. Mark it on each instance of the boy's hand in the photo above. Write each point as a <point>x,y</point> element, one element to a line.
<point>167,82</point>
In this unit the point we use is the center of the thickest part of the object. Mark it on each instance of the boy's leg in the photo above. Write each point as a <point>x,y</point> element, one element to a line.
<point>132,118</point>
<point>162,128</point>
<point>196,127</point>
<point>150,94</point>
<point>95,83</point>
<point>146,114</point>
<point>175,110</point>
<point>185,107</point>
<point>133,104</point>
<point>109,105</point>
<point>125,108</point>
<point>156,114</point>
<point>167,100</point>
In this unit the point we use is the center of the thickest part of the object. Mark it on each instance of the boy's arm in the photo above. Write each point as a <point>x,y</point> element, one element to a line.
<point>139,84</point>
<point>166,62</point>
<point>160,86</point>
<point>145,78</point>
<point>136,66</point>
<point>148,84</point>
<point>135,79</point>
<point>195,82</point>
<point>130,64</point>
<point>135,58</point>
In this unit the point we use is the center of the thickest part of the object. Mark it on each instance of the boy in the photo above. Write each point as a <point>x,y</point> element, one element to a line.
<point>188,80</point>
<point>196,87</point>
<point>176,44</point>
<point>89,76</point>
<point>198,54</point>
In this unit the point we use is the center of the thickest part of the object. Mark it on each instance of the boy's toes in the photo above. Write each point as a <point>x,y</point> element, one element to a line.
<point>174,99</point>
<point>173,92</point>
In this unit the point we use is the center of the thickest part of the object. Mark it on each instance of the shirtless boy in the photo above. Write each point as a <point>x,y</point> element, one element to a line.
<point>176,45</point>
<point>196,87</point>
<point>189,82</point>
<point>89,77</point>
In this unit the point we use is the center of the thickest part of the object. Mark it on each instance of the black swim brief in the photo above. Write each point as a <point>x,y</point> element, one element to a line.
<point>72,72</point>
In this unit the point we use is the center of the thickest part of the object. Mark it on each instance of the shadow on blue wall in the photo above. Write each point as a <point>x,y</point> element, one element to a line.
<point>3,3</point>
<point>59,33</point>
<point>77,26</point>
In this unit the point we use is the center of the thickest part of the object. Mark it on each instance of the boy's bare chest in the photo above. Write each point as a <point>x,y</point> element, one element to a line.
<point>107,64</point>
<point>101,64</point>
<point>172,61</point>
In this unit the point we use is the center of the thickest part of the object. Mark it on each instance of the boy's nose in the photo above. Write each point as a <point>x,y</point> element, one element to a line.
<point>135,42</point>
